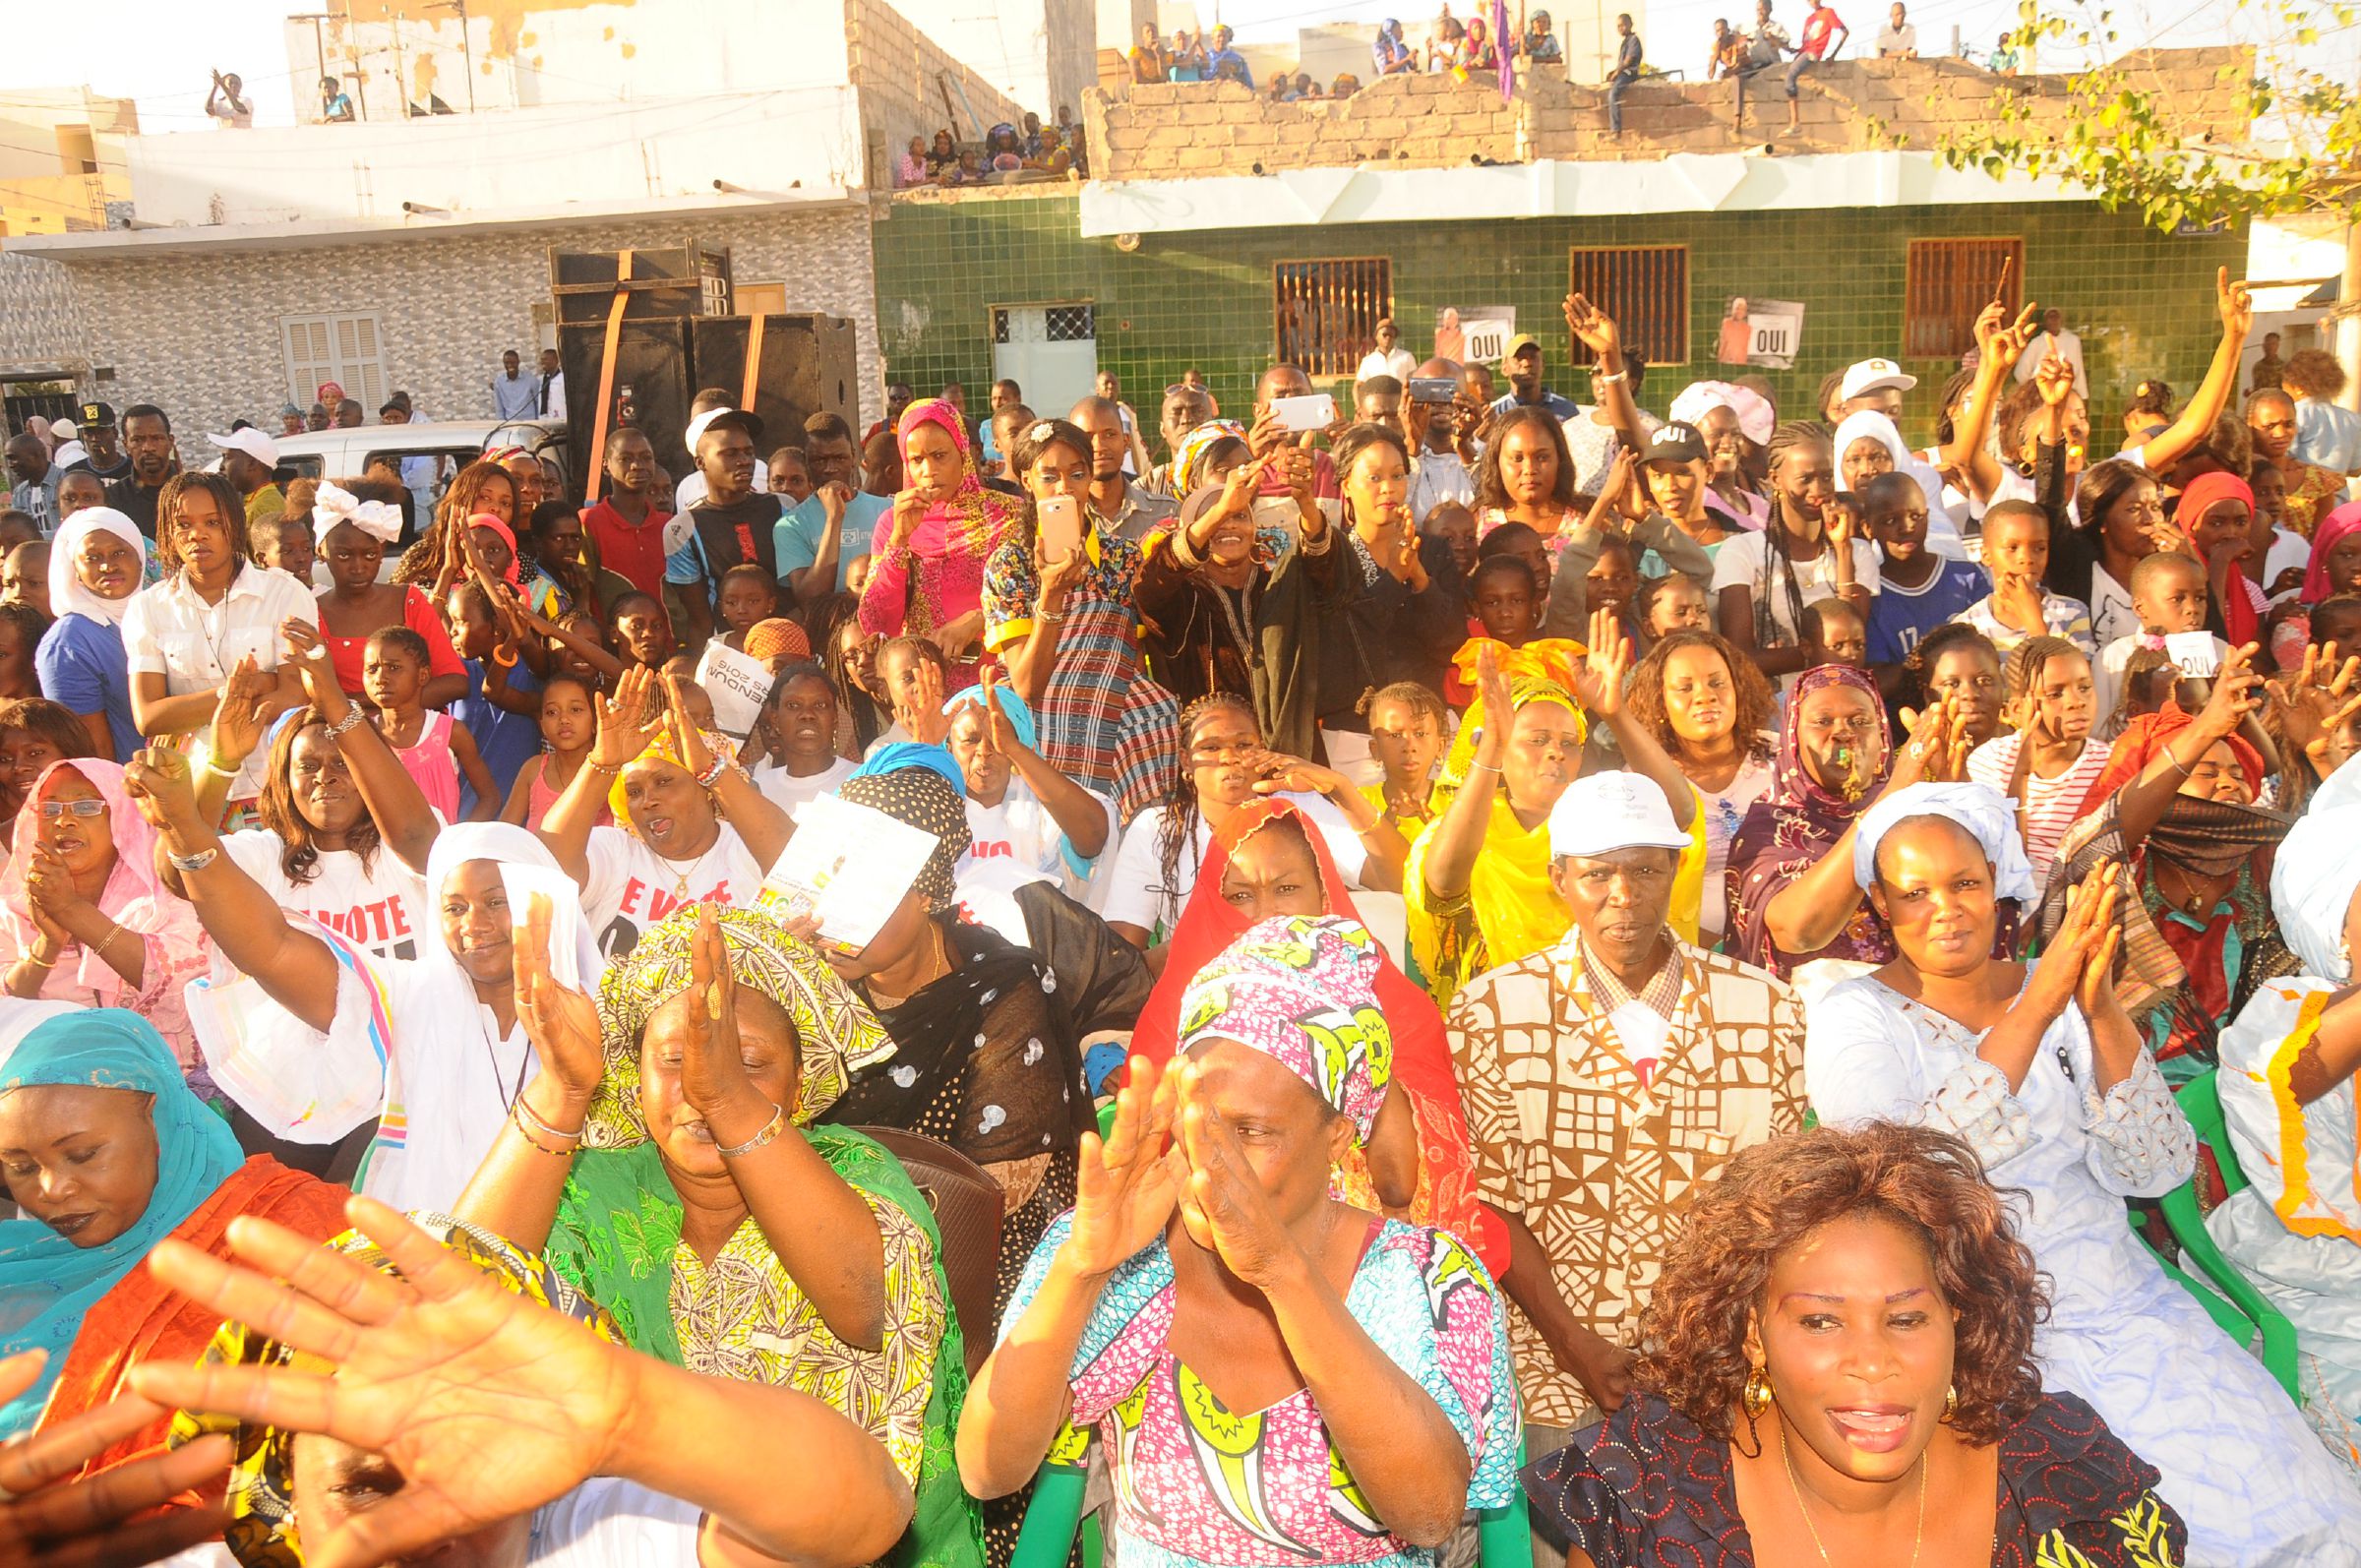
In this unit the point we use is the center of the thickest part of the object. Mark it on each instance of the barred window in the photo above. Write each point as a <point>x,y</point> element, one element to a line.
<point>1048,324</point>
<point>1947,285</point>
<point>1325,314</point>
<point>1645,289</point>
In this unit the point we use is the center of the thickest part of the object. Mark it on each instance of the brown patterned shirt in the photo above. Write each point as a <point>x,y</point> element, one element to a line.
<point>1598,1165</point>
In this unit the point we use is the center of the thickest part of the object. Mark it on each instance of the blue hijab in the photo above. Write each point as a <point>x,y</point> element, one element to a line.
<point>936,759</point>
<point>1013,709</point>
<point>46,1282</point>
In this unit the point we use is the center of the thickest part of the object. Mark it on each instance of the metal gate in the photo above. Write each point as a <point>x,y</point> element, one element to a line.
<point>21,406</point>
<point>1050,353</point>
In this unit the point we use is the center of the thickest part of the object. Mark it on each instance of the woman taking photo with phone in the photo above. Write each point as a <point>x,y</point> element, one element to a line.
<point>1058,607</point>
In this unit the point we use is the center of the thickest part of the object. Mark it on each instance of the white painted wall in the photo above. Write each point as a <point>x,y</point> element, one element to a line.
<point>515,162</point>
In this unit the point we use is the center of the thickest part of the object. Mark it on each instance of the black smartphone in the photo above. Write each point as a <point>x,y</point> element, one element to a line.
<point>1433,388</point>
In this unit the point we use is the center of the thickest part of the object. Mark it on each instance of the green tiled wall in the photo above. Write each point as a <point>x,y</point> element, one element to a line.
<point>2143,302</point>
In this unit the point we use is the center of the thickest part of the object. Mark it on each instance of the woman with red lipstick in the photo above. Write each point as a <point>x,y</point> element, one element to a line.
<point>1840,1366</point>
<point>2045,1076</point>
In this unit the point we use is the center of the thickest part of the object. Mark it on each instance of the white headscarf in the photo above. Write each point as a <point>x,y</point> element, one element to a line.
<point>2314,875</point>
<point>1756,418</point>
<point>333,503</point>
<point>66,592</point>
<point>1869,423</point>
<point>1983,812</point>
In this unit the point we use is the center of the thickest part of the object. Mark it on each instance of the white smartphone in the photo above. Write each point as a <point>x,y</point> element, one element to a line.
<point>1060,518</point>
<point>2193,654</point>
<point>1313,412</point>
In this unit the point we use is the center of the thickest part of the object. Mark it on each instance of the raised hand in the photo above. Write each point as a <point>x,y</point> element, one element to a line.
<point>239,712</point>
<point>628,720</point>
<point>1937,749</point>
<point>2236,302</point>
<point>1599,679</point>
<point>2317,700</point>
<point>2055,379</point>
<point>488,1403</point>
<point>1300,468</point>
<point>2007,344</point>
<point>1592,327</point>
<point>1292,775</point>
<point>1500,712</point>
<point>48,1519</point>
<point>2237,693</point>
<point>559,1021</point>
<point>159,782</point>
<point>1128,1182</point>
<point>998,733</point>
<point>713,1077</point>
<point>918,705</point>
<point>1223,1207</point>
<point>2096,991</point>
<point>309,653</point>
<point>1844,522</point>
<point>686,739</point>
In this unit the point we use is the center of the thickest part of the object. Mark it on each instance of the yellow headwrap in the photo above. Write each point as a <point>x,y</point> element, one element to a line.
<point>1542,671</point>
<point>662,749</point>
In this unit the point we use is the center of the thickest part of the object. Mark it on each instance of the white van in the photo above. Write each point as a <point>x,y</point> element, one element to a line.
<point>341,454</point>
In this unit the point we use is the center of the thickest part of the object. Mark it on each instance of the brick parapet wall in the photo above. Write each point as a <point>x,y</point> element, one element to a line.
<point>1427,121</point>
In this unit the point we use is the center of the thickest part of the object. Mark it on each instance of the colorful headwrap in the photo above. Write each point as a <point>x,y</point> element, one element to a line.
<point>261,1533</point>
<point>836,1032</point>
<point>921,798</point>
<point>661,750</point>
<point>1542,671</point>
<point>1302,989</point>
<point>2146,735</point>
<point>2333,528</point>
<point>2240,622</point>
<point>776,637</point>
<point>1188,457</point>
<point>974,520</point>
<point>333,504</point>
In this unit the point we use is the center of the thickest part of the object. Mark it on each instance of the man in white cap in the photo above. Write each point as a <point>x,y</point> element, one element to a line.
<point>1607,1077</point>
<point>692,489</point>
<point>732,524</point>
<point>1876,385</point>
<point>248,458</point>
<point>68,450</point>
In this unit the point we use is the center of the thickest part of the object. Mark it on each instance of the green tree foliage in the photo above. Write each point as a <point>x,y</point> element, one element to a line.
<point>2122,131</point>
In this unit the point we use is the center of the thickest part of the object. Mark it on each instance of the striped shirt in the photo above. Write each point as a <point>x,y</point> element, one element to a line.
<point>2051,804</point>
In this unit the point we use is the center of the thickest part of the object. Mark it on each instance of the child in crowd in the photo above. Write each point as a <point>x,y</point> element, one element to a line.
<point>1614,582</point>
<point>1408,725</point>
<point>1525,542</point>
<point>798,734</point>
<point>433,749</point>
<point>642,633</point>
<point>2049,758</point>
<point>1958,661</point>
<point>749,596</point>
<point>502,709</point>
<point>1834,633</point>
<point>24,576</point>
<point>790,476</point>
<point>778,642</point>
<point>1918,591</point>
<point>1507,604</point>
<point>1454,524</point>
<point>16,528</point>
<point>2017,554</point>
<point>2148,680</point>
<point>2169,593</point>
<point>285,544</point>
<point>1670,604</point>
<point>569,729</point>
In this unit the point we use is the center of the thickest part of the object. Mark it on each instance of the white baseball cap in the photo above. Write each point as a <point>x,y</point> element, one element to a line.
<point>1870,375</point>
<point>751,425</point>
<point>252,441</point>
<point>64,429</point>
<point>1606,811</point>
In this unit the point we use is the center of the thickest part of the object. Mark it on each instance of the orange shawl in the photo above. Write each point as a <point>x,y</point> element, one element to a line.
<point>139,1321</point>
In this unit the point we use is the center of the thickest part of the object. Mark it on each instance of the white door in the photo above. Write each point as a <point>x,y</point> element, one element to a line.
<point>1050,353</point>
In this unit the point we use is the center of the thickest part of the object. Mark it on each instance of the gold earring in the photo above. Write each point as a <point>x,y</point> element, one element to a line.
<point>1757,1396</point>
<point>1951,1401</point>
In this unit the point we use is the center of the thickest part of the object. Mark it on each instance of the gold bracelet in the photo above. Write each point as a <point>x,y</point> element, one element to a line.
<point>27,957</point>
<point>770,1130</point>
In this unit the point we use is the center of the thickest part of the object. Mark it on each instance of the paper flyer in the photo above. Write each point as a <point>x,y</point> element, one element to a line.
<point>737,683</point>
<point>848,865</point>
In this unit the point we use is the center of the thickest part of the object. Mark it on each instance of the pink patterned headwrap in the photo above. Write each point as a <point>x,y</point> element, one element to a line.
<point>1302,989</point>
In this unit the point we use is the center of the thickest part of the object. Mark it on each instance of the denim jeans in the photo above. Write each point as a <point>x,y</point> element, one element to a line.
<point>1615,87</point>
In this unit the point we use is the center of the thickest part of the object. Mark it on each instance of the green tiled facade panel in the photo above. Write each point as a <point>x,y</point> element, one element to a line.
<point>2141,301</point>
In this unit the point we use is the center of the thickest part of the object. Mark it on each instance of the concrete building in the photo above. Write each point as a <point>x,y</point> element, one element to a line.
<point>1223,231</point>
<point>61,158</point>
<point>410,251</point>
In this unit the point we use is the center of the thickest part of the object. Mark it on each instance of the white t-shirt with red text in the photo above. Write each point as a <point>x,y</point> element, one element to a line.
<point>382,910</point>
<point>630,887</point>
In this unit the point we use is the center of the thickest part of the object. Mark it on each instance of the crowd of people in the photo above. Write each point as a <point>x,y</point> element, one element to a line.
<point>1008,154</point>
<point>1718,974</point>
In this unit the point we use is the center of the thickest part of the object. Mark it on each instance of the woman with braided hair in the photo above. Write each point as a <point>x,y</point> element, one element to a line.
<point>1805,553</point>
<point>481,489</point>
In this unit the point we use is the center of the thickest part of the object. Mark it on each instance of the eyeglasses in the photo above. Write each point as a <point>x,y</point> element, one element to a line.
<point>54,810</point>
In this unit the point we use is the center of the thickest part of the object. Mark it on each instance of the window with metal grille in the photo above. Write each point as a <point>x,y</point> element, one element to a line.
<point>1325,314</point>
<point>1645,290</point>
<point>344,349</point>
<point>1947,285</point>
<point>1043,324</point>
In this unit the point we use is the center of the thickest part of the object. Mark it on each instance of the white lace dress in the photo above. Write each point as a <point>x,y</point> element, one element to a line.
<point>2238,1462</point>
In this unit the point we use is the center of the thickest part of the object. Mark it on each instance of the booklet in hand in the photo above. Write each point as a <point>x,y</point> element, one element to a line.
<point>849,867</point>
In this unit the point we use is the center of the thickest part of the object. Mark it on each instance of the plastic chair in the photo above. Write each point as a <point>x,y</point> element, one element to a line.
<point>1503,1536</point>
<point>2247,1312</point>
<point>968,1206</point>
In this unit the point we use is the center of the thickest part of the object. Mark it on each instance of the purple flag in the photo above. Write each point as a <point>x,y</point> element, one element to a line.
<point>1506,42</point>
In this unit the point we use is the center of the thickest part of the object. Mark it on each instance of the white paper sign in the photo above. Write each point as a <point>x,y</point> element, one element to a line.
<point>2193,654</point>
<point>738,684</point>
<point>847,864</point>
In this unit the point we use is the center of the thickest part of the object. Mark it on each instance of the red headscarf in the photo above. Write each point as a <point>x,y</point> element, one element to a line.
<point>2240,624</point>
<point>2333,528</point>
<point>2142,739</point>
<point>485,519</point>
<point>1422,1052</point>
